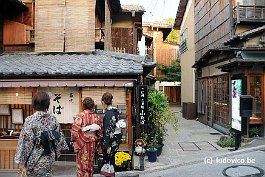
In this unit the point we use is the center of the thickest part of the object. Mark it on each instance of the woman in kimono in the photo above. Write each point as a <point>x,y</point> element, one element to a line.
<point>111,135</point>
<point>30,154</point>
<point>86,134</point>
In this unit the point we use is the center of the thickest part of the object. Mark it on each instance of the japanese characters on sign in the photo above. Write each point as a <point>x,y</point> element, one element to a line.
<point>64,103</point>
<point>57,109</point>
<point>142,104</point>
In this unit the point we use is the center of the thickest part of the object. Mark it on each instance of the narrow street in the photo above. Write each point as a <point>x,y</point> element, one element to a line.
<point>59,60</point>
<point>189,152</point>
<point>218,167</point>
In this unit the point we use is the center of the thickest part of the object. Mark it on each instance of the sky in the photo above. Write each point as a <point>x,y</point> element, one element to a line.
<point>156,10</point>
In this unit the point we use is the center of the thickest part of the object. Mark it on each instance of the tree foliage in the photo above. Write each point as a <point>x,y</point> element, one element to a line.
<point>172,72</point>
<point>173,36</point>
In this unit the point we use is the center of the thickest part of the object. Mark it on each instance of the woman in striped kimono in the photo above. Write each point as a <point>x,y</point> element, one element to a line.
<point>86,134</point>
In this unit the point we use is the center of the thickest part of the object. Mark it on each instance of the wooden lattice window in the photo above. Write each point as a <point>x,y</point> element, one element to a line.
<point>209,99</point>
<point>256,92</point>
<point>221,100</point>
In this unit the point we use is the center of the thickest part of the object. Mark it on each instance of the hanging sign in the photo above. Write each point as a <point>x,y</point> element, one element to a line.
<point>64,103</point>
<point>142,104</point>
<point>236,93</point>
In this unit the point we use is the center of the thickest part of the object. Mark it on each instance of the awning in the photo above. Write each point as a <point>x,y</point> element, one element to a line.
<point>246,59</point>
<point>66,83</point>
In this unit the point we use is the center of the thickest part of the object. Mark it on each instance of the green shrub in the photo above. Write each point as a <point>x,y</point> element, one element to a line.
<point>159,116</point>
<point>254,131</point>
<point>226,141</point>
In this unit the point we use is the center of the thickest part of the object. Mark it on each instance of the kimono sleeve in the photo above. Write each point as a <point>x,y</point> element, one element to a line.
<point>25,144</point>
<point>62,145</point>
<point>76,127</point>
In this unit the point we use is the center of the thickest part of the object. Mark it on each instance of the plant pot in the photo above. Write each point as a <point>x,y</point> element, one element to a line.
<point>119,169</point>
<point>124,167</point>
<point>152,155</point>
<point>159,149</point>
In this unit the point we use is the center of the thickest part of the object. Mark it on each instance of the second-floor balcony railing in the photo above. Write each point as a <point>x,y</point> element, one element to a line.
<point>243,13</point>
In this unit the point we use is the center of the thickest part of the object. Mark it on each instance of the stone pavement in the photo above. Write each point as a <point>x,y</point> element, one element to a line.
<point>192,143</point>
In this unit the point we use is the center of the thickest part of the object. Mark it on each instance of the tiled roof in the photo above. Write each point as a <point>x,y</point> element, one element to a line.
<point>245,34</point>
<point>32,64</point>
<point>180,13</point>
<point>132,7</point>
<point>126,56</point>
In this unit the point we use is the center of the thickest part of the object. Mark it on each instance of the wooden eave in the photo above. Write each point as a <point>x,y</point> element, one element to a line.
<point>10,8</point>
<point>180,13</point>
<point>210,53</point>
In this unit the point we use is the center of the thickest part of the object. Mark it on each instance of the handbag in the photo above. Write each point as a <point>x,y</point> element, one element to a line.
<point>22,173</point>
<point>107,170</point>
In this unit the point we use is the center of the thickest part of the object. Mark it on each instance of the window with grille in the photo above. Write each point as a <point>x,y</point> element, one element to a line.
<point>256,92</point>
<point>221,100</point>
<point>209,99</point>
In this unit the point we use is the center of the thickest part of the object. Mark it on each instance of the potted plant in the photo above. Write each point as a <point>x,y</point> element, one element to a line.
<point>152,150</point>
<point>122,161</point>
<point>159,116</point>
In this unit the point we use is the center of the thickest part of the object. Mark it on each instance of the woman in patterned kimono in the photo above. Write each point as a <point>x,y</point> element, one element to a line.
<point>86,135</point>
<point>111,136</point>
<point>29,153</point>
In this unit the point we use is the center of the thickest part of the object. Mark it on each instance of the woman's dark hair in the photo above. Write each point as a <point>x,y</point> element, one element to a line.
<point>41,101</point>
<point>107,98</point>
<point>88,103</point>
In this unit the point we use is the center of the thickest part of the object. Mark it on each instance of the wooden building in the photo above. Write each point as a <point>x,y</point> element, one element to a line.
<point>226,31</point>
<point>65,64</point>
<point>160,51</point>
<point>154,46</point>
<point>15,16</point>
<point>126,29</point>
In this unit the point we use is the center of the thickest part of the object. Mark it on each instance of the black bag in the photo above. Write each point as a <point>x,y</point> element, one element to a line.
<point>48,140</point>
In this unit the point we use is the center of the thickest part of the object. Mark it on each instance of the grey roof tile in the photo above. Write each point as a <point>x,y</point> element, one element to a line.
<point>132,7</point>
<point>70,64</point>
<point>244,35</point>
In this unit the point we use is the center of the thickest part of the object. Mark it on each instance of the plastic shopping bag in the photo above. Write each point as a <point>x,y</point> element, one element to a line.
<point>107,170</point>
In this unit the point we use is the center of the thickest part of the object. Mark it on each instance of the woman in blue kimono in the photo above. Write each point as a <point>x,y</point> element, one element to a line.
<point>111,135</point>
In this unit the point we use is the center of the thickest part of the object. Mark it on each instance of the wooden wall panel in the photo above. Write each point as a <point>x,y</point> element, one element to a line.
<point>49,25</point>
<point>123,38</point>
<point>166,55</point>
<point>80,26</point>
<point>6,121</point>
<point>212,25</point>
<point>65,26</point>
<point>15,96</point>
<point>173,93</point>
<point>107,29</point>
<point>1,33</point>
<point>25,17</point>
<point>7,154</point>
<point>129,116</point>
<point>14,33</point>
<point>119,94</point>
